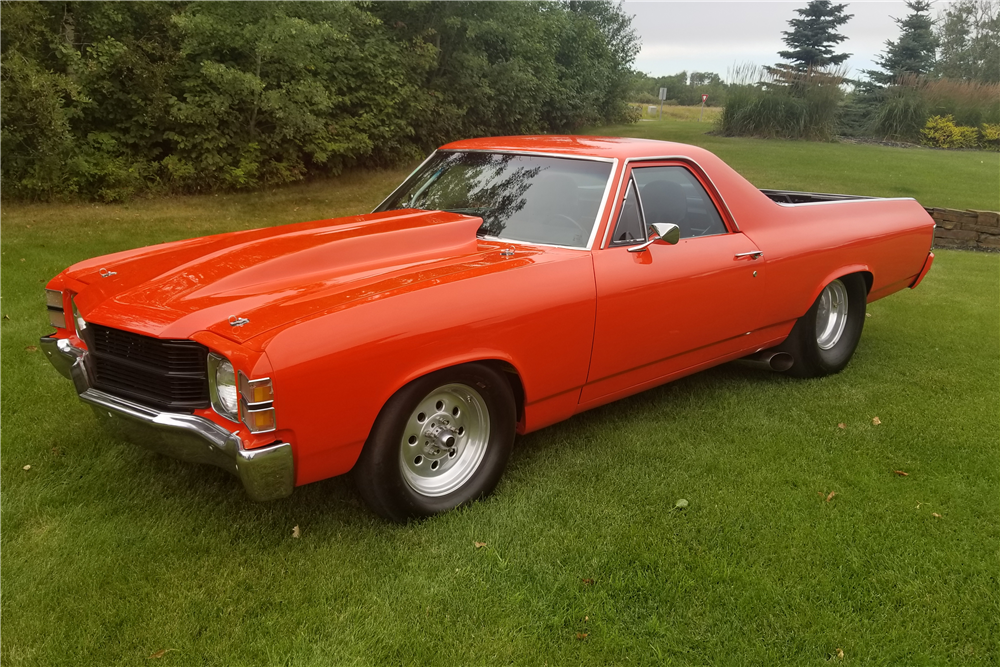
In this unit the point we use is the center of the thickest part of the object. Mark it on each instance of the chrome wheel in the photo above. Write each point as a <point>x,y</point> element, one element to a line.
<point>444,440</point>
<point>831,315</point>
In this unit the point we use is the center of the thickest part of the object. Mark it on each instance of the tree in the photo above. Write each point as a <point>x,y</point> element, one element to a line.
<point>813,37</point>
<point>914,52</point>
<point>969,36</point>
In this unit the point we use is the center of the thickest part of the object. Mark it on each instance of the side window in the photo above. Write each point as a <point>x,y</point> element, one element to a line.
<point>673,194</point>
<point>629,229</point>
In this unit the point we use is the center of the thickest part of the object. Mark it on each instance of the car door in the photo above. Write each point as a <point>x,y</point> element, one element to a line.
<point>670,307</point>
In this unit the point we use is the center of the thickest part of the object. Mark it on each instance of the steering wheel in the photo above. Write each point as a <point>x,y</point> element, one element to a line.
<point>562,218</point>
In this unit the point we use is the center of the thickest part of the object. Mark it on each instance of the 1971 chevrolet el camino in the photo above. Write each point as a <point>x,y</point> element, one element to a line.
<point>507,284</point>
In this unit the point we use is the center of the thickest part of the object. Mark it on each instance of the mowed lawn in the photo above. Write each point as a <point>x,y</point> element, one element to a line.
<point>803,539</point>
<point>943,178</point>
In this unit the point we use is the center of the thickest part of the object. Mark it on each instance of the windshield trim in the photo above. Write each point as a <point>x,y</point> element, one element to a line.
<point>590,158</point>
<point>405,181</point>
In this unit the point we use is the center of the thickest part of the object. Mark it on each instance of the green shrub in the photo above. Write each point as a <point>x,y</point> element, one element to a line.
<point>941,132</point>
<point>900,114</point>
<point>106,100</point>
<point>901,111</point>
<point>990,136</point>
<point>790,106</point>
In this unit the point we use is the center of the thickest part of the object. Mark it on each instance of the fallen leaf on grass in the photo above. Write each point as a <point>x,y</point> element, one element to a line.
<point>6,317</point>
<point>876,421</point>
<point>31,348</point>
<point>588,582</point>
<point>586,618</point>
<point>868,314</point>
<point>296,532</point>
<point>582,635</point>
<point>841,425</point>
<point>480,545</point>
<point>28,467</point>
<point>830,497</point>
<point>159,654</point>
<point>681,504</point>
<point>840,654</point>
<point>901,473</point>
<point>935,515</point>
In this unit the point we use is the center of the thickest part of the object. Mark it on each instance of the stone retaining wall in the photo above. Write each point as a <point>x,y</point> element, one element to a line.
<point>976,230</point>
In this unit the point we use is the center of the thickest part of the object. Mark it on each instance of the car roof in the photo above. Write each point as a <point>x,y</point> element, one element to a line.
<point>604,147</point>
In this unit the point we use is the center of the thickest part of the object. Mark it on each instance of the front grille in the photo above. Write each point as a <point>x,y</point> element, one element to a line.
<point>171,374</point>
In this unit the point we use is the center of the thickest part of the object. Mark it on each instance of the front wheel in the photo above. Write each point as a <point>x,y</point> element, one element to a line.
<point>824,339</point>
<point>441,441</point>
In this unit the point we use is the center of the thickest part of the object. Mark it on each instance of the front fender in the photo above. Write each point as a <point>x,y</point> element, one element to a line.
<point>337,371</point>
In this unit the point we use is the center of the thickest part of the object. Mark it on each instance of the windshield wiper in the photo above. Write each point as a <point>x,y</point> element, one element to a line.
<point>467,211</point>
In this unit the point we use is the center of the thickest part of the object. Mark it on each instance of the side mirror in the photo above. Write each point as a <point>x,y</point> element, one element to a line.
<point>667,232</point>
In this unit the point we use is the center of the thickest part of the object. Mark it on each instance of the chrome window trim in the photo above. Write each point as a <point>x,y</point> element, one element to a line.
<point>590,158</point>
<point>604,203</point>
<point>680,158</point>
<point>839,201</point>
<point>621,211</point>
<point>568,156</point>
<point>497,239</point>
<point>405,181</point>
<point>213,362</point>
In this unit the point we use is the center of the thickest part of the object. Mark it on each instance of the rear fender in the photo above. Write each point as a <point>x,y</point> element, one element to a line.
<point>923,271</point>
<point>840,273</point>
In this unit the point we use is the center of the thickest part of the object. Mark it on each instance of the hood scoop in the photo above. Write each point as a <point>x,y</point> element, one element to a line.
<point>235,284</point>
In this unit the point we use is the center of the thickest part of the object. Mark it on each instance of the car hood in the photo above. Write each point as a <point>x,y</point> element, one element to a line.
<point>273,276</point>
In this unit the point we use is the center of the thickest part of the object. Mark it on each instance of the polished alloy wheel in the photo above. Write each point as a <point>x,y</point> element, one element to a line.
<point>831,315</point>
<point>444,440</point>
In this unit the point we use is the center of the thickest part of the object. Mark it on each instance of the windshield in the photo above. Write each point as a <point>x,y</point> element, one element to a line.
<point>526,198</point>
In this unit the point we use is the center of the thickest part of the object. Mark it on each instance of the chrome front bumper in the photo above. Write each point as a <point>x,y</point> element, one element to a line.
<point>267,472</point>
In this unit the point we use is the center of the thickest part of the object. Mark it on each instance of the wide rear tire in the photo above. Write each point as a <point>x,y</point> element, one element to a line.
<point>440,442</point>
<point>823,340</point>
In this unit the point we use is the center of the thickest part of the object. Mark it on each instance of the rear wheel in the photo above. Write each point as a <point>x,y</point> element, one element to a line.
<point>440,442</point>
<point>824,339</point>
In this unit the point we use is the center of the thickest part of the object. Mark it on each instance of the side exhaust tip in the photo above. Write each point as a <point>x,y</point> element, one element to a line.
<point>769,360</point>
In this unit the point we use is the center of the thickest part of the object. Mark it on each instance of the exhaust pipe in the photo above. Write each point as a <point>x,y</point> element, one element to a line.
<point>769,360</point>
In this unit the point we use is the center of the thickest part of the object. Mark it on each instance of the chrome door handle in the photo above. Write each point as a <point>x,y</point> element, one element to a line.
<point>755,254</point>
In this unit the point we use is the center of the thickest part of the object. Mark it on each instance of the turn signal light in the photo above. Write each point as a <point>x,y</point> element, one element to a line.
<point>256,391</point>
<point>257,404</point>
<point>263,420</point>
<point>54,304</point>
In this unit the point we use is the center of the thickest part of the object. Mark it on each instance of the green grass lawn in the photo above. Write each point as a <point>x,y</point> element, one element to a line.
<point>946,179</point>
<point>111,554</point>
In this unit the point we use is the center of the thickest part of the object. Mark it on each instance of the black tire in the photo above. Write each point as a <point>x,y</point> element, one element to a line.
<point>434,421</point>
<point>813,353</point>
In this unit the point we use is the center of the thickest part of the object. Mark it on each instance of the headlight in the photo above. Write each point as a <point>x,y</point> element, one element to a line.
<point>222,386</point>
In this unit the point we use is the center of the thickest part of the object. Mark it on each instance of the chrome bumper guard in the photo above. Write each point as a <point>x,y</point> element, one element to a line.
<point>267,472</point>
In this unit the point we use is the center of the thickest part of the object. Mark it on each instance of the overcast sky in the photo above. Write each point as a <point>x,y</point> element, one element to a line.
<point>712,36</point>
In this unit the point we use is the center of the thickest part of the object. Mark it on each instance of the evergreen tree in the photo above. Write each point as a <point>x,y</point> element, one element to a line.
<point>813,36</point>
<point>914,52</point>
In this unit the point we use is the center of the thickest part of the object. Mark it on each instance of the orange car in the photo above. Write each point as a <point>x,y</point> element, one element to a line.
<point>507,284</point>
